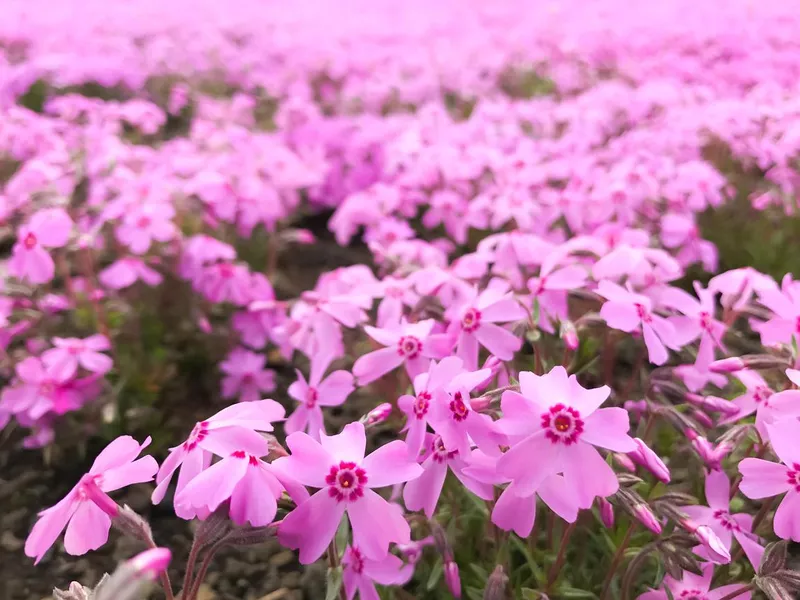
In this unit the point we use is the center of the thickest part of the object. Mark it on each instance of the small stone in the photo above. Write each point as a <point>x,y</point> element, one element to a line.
<point>206,593</point>
<point>281,594</point>
<point>282,558</point>
<point>10,542</point>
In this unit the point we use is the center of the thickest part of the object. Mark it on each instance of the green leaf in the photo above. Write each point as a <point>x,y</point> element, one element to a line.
<point>333,583</point>
<point>529,594</point>
<point>571,592</point>
<point>435,576</point>
<point>343,534</point>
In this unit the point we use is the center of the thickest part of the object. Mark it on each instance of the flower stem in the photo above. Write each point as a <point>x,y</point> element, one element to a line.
<point>615,562</point>
<point>333,563</point>
<point>561,557</point>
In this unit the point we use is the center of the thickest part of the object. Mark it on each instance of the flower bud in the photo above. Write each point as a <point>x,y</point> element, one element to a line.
<point>713,403</point>
<point>298,236</point>
<point>636,406</point>
<point>625,462</point>
<point>569,335</point>
<point>606,512</point>
<point>377,415</point>
<point>644,456</point>
<point>749,361</point>
<point>131,578</point>
<point>412,551</point>
<point>496,585</point>
<point>646,517</point>
<point>727,365</point>
<point>702,418</point>
<point>151,562</point>
<point>452,578</point>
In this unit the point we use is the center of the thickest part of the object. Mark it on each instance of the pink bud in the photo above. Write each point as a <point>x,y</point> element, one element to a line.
<point>151,562</point>
<point>702,418</point>
<point>569,335</point>
<point>495,365</point>
<point>712,403</point>
<point>204,325</point>
<point>717,551</point>
<point>636,406</point>
<point>299,236</point>
<point>378,414</point>
<point>644,456</point>
<point>480,404</point>
<point>452,578</point>
<point>625,462</point>
<point>606,512</point>
<point>727,365</point>
<point>646,517</point>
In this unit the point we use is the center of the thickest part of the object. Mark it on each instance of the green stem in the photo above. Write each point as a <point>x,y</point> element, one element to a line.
<point>615,562</point>
<point>562,555</point>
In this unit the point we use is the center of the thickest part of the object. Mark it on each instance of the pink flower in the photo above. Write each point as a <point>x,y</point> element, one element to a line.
<point>345,478</point>
<point>761,400</point>
<point>41,389</point>
<point>147,223</point>
<point>87,524</point>
<point>423,493</point>
<point>362,573</point>
<point>252,486</point>
<point>763,479</point>
<point>406,344</point>
<point>316,393</point>
<point>245,375</point>
<point>693,586</point>
<point>127,271</point>
<point>698,320</point>
<point>232,429</point>
<point>628,311</point>
<point>722,522</point>
<point>738,286</point>
<point>475,325</point>
<point>225,282</point>
<point>63,360</point>
<point>785,307</point>
<point>48,228</point>
<point>566,425</point>
<point>549,290</point>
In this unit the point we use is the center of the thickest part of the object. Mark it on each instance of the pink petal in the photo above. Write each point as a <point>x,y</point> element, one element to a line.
<point>559,497</point>
<point>787,517</point>
<point>620,316</point>
<point>349,445</point>
<point>783,436</point>
<point>500,342</point>
<point>657,352</point>
<point>168,468</point>
<point>443,372</point>
<point>515,513</point>
<point>423,492</point>
<point>608,428</point>
<point>334,389</point>
<point>588,474</point>
<point>297,421</point>
<point>718,490</point>
<point>50,525</point>
<point>252,415</point>
<point>390,464</point>
<point>572,277</point>
<point>254,499</point>
<point>87,530</point>
<point>96,362</point>
<point>311,526</point>
<point>527,474</point>
<point>226,440</point>
<point>119,452</point>
<point>504,310</point>
<point>213,486</point>
<point>138,471</point>
<point>375,365</point>
<point>726,590</point>
<point>309,462</point>
<point>762,478</point>
<point>752,549</point>
<point>467,350</point>
<point>376,524</point>
<point>519,414</point>
<point>385,337</point>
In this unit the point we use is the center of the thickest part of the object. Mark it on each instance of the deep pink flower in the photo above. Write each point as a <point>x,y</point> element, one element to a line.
<point>628,311</point>
<point>693,586</point>
<point>423,493</point>
<point>345,477</point>
<point>245,375</point>
<point>41,389</point>
<point>474,324</point>
<point>562,424</point>
<point>316,393</point>
<point>361,573</point>
<point>406,344</point>
<point>723,523</point>
<point>762,478</point>
<point>127,271</point>
<point>48,228</point>
<point>63,360</point>
<point>87,524</point>
<point>231,429</point>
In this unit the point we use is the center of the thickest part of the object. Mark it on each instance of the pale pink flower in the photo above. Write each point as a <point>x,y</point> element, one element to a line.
<point>345,477</point>
<point>48,228</point>
<point>145,224</point>
<point>694,586</point>
<point>63,360</point>
<point>127,271</point>
<point>40,389</point>
<point>87,523</point>
<point>361,573</point>
<point>245,375</point>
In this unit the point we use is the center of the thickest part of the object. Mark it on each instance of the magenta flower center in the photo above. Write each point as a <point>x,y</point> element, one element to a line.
<point>409,346</point>
<point>311,397</point>
<point>226,270</point>
<point>30,241</point>
<point>394,292</point>
<point>793,476</point>
<point>761,395</point>
<point>75,347</point>
<point>705,321</point>
<point>459,408</point>
<point>422,404</point>
<point>355,561</point>
<point>46,388</point>
<point>643,313</point>
<point>346,481</point>
<point>692,595</point>
<point>562,424</point>
<point>536,286</point>
<point>198,434</point>
<point>471,320</point>
<point>85,482</point>
<point>726,520</point>
<point>439,452</point>
<point>143,222</point>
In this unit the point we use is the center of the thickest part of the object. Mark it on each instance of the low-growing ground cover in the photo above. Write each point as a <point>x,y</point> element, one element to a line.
<point>490,301</point>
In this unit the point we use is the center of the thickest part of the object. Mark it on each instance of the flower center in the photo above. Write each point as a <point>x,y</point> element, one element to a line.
<point>692,595</point>
<point>143,222</point>
<point>422,405</point>
<point>562,424</point>
<point>394,292</point>
<point>761,395</point>
<point>705,321</point>
<point>459,408</point>
<point>439,452</point>
<point>355,562</point>
<point>46,388</point>
<point>198,434</point>
<point>30,241</point>
<point>346,481</point>
<point>644,314</point>
<point>471,320</point>
<point>793,476</point>
<point>226,270</point>
<point>536,286</point>
<point>311,397</point>
<point>409,346</point>
<point>85,482</point>
<point>726,520</point>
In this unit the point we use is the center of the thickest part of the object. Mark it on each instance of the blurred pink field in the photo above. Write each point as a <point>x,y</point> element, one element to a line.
<point>400,300</point>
